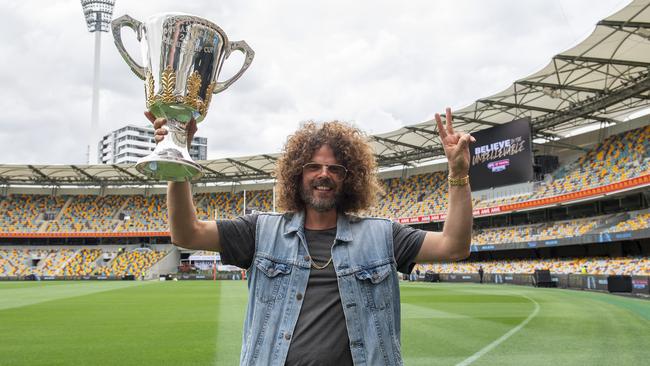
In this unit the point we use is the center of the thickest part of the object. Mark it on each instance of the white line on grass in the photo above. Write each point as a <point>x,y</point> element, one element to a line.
<point>489,347</point>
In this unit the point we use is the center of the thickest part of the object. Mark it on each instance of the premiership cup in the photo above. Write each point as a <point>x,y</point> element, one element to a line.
<point>182,57</point>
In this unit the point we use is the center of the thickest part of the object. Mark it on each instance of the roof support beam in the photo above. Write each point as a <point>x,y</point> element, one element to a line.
<point>38,172</point>
<point>390,141</point>
<point>474,120</point>
<point>218,174</point>
<point>135,177</point>
<point>592,105</point>
<point>84,173</point>
<point>408,158</point>
<point>559,86</point>
<point>516,105</point>
<point>597,60</point>
<point>42,175</point>
<point>623,24</point>
<point>420,129</point>
<point>244,165</point>
<point>540,109</point>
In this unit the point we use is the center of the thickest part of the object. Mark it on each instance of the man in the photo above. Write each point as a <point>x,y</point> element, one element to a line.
<point>323,285</point>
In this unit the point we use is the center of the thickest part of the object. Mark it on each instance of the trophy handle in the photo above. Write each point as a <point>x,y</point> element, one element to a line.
<point>249,54</point>
<point>136,26</point>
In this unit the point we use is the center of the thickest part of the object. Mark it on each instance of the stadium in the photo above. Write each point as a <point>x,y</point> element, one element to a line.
<point>89,275</point>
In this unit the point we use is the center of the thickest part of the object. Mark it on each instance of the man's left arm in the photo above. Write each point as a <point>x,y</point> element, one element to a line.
<point>454,240</point>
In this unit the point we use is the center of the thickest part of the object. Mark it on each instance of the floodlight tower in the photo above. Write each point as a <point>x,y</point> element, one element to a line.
<point>98,14</point>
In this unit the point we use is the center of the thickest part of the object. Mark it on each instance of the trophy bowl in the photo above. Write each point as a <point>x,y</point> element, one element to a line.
<point>182,56</point>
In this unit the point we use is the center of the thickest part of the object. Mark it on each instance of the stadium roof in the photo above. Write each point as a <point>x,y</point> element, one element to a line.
<point>599,81</point>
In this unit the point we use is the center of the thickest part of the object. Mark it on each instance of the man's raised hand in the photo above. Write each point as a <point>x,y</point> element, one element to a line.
<point>455,144</point>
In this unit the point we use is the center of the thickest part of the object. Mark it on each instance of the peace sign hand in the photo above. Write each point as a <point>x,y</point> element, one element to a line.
<point>456,146</point>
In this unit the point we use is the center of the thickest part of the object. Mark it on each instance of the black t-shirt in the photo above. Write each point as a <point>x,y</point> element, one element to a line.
<point>320,336</point>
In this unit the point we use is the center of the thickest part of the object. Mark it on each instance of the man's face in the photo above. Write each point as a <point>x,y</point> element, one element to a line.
<point>321,187</point>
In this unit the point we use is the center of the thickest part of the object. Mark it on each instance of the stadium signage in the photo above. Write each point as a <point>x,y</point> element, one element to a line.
<point>604,238</point>
<point>497,166</point>
<point>486,211</point>
<point>421,219</point>
<point>640,283</point>
<point>496,146</point>
<point>485,247</point>
<point>505,156</point>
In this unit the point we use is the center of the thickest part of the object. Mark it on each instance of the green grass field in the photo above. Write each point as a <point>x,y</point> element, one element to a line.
<point>199,323</point>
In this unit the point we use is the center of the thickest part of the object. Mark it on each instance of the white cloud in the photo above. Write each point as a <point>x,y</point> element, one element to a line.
<point>374,63</point>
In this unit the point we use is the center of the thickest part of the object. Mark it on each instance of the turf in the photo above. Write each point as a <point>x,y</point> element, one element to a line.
<point>199,323</point>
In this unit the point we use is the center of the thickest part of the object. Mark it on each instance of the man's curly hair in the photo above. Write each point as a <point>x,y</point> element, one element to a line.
<point>351,149</point>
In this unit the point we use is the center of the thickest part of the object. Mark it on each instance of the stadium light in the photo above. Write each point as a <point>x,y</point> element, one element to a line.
<point>98,14</point>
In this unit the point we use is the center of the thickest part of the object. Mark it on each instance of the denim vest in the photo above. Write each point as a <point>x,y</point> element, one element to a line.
<point>365,267</point>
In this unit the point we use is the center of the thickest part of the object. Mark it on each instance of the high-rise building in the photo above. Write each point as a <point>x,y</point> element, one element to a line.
<point>128,144</point>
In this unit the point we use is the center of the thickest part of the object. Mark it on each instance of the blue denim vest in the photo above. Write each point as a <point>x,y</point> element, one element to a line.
<point>365,267</point>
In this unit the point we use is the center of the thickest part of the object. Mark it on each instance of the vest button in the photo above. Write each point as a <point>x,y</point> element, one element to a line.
<point>299,296</point>
<point>287,336</point>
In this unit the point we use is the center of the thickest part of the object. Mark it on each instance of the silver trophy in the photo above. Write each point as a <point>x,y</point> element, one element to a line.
<point>182,57</point>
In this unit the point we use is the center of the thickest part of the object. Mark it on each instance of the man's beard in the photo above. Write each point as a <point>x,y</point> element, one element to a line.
<point>320,204</point>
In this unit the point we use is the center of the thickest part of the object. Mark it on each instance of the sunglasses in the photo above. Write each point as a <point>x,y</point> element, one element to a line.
<point>338,171</point>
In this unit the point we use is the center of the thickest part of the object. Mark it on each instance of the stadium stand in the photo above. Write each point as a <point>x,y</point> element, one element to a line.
<point>131,263</point>
<point>83,263</point>
<point>544,231</point>
<point>85,213</point>
<point>638,221</point>
<point>594,265</point>
<point>144,214</point>
<point>26,213</point>
<point>617,158</point>
<point>56,261</point>
<point>412,196</point>
<point>219,205</point>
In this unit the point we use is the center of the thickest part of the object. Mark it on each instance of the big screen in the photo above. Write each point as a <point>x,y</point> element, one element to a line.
<point>501,155</point>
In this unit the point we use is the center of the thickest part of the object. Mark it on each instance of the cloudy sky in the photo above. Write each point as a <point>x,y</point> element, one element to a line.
<point>377,64</point>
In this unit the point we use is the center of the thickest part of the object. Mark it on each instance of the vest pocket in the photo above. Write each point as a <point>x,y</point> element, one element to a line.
<point>272,279</point>
<point>373,283</point>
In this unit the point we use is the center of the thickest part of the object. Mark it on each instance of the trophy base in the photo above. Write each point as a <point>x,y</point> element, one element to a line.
<point>166,169</point>
<point>170,160</point>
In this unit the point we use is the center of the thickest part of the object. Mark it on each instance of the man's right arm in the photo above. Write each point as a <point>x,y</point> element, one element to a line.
<point>186,230</point>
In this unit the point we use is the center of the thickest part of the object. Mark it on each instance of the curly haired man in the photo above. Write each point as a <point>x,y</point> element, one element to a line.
<point>323,283</point>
